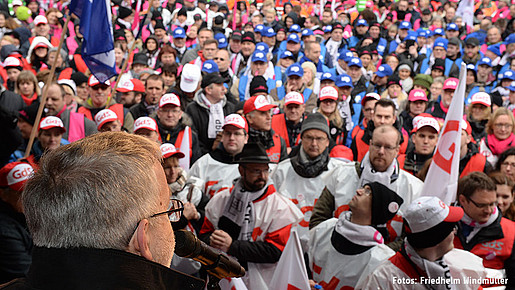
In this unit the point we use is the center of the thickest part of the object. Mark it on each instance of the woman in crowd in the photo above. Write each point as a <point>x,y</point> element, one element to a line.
<point>506,163</point>
<point>499,136</point>
<point>328,107</point>
<point>504,191</point>
<point>27,87</point>
<point>479,112</point>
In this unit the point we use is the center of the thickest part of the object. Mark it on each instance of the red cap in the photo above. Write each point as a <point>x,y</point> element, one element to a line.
<point>417,95</point>
<point>133,85</point>
<point>168,150</point>
<point>145,123</point>
<point>51,122</point>
<point>465,125</point>
<point>40,19</point>
<point>419,122</point>
<point>169,99</point>
<point>12,61</point>
<point>450,84</point>
<point>328,92</point>
<point>93,81</point>
<point>370,96</point>
<point>259,103</point>
<point>105,116</point>
<point>293,98</point>
<point>237,121</point>
<point>15,174</point>
<point>481,98</point>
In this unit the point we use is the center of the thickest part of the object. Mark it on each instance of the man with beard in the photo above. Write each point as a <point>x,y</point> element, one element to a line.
<point>361,31</point>
<point>131,92</point>
<point>251,222</point>
<point>472,54</point>
<point>154,89</point>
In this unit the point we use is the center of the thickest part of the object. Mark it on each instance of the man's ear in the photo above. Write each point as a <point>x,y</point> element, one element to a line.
<point>139,243</point>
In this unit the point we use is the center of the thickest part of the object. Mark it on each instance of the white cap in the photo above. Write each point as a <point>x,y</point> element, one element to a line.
<point>235,120</point>
<point>328,92</point>
<point>12,61</point>
<point>105,116</point>
<point>17,3</point>
<point>190,77</point>
<point>51,122</point>
<point>145,123</point>
<point>425,121</point>
<point>70,84</point>
<point>429,211</point>
<point>169,99</point>
<point>168,150</point>
<point>481,98</point>
<point>40,19</point>
<point>93,81</point>
<point>293,98</point>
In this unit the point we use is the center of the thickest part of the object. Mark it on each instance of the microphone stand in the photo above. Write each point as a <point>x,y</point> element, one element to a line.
<point>212,283</point>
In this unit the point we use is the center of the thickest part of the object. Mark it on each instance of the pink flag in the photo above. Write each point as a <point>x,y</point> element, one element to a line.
<point>135,23</point>
<point>442,177</point>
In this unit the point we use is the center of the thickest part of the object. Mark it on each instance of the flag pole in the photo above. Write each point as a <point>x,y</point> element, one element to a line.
<point>131,49</point>
<point>45,89</point>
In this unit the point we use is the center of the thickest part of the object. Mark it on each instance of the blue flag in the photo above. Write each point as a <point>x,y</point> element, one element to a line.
<point>98,44</point>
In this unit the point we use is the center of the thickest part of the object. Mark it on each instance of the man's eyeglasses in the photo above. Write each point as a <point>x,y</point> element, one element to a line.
<point>483,205</point>
<point>386,148</point>
<point>310,139</point>
<point>174,212</point>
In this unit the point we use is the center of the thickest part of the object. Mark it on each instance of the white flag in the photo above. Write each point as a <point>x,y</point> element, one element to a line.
<point>291,271</point>
<point>442,177</point>
<point>185,148</point>
<point>232,284</point>
<point>466,11</point>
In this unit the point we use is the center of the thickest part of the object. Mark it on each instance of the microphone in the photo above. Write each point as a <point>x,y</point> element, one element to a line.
<point>215,262</point>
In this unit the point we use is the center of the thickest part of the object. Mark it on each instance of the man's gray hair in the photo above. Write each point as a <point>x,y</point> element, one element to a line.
<point>93,192</point>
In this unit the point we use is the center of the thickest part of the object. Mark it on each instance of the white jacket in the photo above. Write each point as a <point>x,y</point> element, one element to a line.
<point>212,176</point>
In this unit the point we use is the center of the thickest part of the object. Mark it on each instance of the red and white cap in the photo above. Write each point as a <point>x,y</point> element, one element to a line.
<point>428,211</point>
<point>169,99</point>
<point>417,95</point>
<point>40,19</point>
<point>168,150</point>
<point>93,81</point>
<point>51,122</point>
<point>133,85</point>
<point>12,61</point>
<point>105,116</point>
<point>17,3</point>
<point>481,98</point>
<point>370,96</point>
<point>450,84</point>
<point>328,92</point>
<point>418,123</point>
<point>259,103</point>
<point>145,123</point>
<point>465,125</point>
<point>293,98</point>
<point>15,174</point>
<point>236,121</point>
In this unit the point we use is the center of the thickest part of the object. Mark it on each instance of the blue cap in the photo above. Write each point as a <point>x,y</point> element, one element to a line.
<point>484,61</point>
<point>268,32</point>
<point>509,74</point>
<point>259,28</point>
<point>512,87</point>
<point>293,37</point>
<point>441,42</point>
<point>384,71</point>
<point>259,56</point>
<point>345,55</point>
<point>327,76</point>
<point>471,66</point>
<point>438,31</point>
<point>295,70</point>
<point>412,35</point>
<point>286,54</point>
<point>421,32</point>
<point>261,46</point>
<point>179,33</point>
<point>295,28</point>
<point>362,22</point>
<point>307,32</point>
<point>405,25</point>
<point>209,66</point>
<point>495,48</point>
<point>344,80</point>
<point>328,29</point>
<point>510,39</point>
<point>355,61</point>
<point>452,26</point>
<point>222,40</point>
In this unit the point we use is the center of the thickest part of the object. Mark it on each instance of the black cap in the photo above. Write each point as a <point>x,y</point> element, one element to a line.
<point>248,36</point>
<point>219,20</point>
<point>156,16</point>
<point>211,78</point>
<point>182,12</point>
<point>124,12</point>
<point>454,41</point>
<point>426,11</point>
<point>315,121</point>
<point>28,114</point>
<point>236,35</point>
<point>258,85</point>
<point>393,80</point>
<point>253,153</point>
<point>337,26</point>
<point>140,58</point>
<point>119,34</point>
<point>79,78</point>
<point>159,25</point>
<point>197,17</point>
<point>472,41</point>
<point>439,64</point>
<point>385,203</point>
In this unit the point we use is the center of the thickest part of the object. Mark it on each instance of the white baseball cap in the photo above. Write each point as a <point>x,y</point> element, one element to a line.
<point>293,98</point>
<point>12,62</point>
<point>328,92</point>
<point>40,19</point>
<point>168,150</point>
<point>145,123</point>
<point>420,122</point>
<point>15,174</point>
<point>105,116</point>
<point>190,77</point>
<point>237,121</point>
<point>93,81</point>
<point>427,212</point>
<point>51,122</point>
<point>481,98</point>
<point>169,99</point>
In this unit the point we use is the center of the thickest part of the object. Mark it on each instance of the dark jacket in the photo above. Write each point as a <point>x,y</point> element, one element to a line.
<point>16,244</point>
<point>199,113</point>
<point>11,102</point>
<point>139,110</point>
<point>84,268</point>
<point>170,136</point>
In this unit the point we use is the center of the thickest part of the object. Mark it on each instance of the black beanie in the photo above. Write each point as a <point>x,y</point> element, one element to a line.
<point>315,121</point>
<point>385,203</point>
<point>79,78</point>
<point>124,12</point>
<point>28,114</point>
<point>159,24</point>
<point>393,80</point>
<point>258,85</point>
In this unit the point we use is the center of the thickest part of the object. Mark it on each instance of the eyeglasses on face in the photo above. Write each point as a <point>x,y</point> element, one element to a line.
<point>174,211</point>
<point>483,205</point>
<point>386,148</point>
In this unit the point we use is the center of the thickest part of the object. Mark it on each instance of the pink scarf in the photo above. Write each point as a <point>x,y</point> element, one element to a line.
<point>498,146</point>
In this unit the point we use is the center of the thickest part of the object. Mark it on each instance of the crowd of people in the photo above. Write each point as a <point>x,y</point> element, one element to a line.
<point>264,118</point>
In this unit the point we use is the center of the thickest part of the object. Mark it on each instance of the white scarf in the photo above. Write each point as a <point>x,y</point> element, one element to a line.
<point>433,270</point>
<point>366,236</point>
<point>478,226</point>
<point>216,117</point>
<point>240,208</point>
<point>339,69</point>
<point>344,109</point>
<point>332,47</point>
<point>369,174</point>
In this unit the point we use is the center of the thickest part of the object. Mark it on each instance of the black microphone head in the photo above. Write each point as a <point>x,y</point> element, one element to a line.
<point>185,243</point>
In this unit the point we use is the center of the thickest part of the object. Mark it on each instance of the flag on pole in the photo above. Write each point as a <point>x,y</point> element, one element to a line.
<point>466,11</point>
<point>442,177</point>
<point>135,23</point>
<point>290,272</point>
<point>97,29</point>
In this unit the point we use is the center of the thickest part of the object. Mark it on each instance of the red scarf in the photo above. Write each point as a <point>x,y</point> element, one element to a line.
<point>499,146</point>
<point>29,100</point>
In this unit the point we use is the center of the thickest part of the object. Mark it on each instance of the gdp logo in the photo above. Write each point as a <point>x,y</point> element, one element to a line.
<point>19,173</point>
<point>493,245</point>
<point>444,155</point>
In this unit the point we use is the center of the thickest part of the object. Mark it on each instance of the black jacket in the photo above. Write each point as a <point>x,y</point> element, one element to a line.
<point>170,136</point>
<point>84,268</point>
<point>139,110</point>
